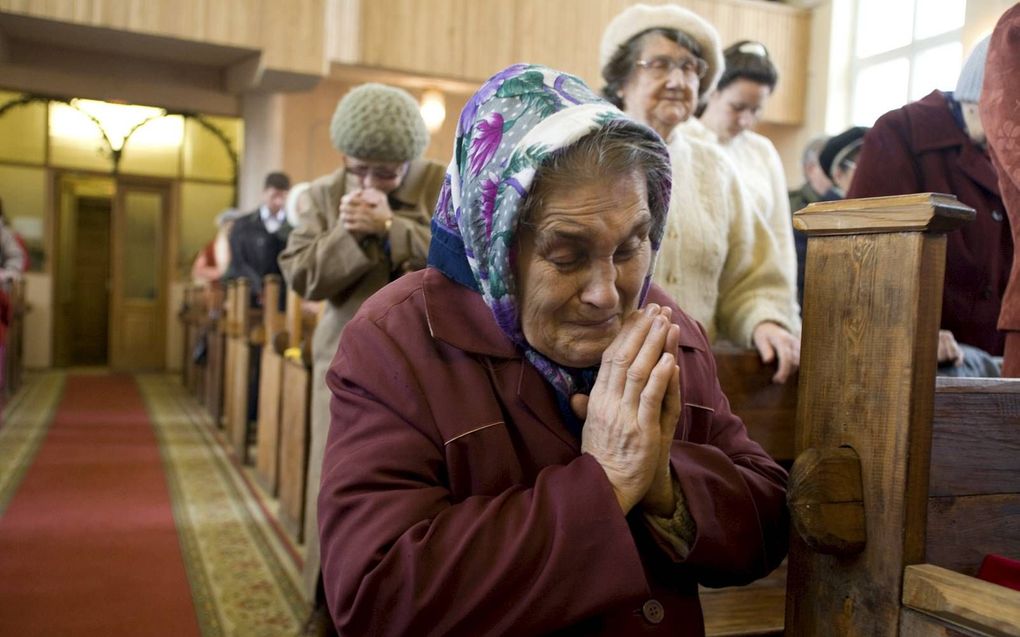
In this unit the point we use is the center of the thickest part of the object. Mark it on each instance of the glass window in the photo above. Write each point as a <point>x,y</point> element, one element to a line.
<point>23,130</point>
<point>880,88</point>
<point>200,203</point>
<point>880,25</point>
<point>905,50</point>
<point>154,148</point>
<point>206,156</point>
<point>936,68</point>
<point>23,191</point>
<point>76,141</point>
<point>934,17</point>
<point>143,216</point>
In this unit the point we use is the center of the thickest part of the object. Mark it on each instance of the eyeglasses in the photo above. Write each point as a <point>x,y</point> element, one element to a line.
<point>663,65</point>
<point>381,173</point>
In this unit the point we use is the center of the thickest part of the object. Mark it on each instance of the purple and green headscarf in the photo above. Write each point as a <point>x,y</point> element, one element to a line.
<point>520,117</point>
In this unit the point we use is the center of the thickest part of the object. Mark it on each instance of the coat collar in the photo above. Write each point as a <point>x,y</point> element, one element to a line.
<point>933,128</point>
<point>459,317</point>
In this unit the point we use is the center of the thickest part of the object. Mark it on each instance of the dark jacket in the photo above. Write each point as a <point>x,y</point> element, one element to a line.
<point>455,500</point>
<point>253,253</point>
<point>921,148</point>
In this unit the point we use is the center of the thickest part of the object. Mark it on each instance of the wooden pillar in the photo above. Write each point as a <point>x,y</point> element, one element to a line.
<point>270,386</point>
<point>871,315</point>
<point>240,369</point>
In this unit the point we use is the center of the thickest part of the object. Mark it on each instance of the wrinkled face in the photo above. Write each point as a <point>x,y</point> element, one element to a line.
<point>274,198</point>
<point>736,108</point>
<point>581,263</point>
<point>381,175</point>
<point>661,100</point>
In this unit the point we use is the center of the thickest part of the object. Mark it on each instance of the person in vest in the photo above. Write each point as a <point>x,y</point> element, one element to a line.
<point>257,238</point>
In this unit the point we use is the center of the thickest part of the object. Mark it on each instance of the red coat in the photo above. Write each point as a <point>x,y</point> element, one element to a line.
<point>920,148</point>
<point>455,501</point>
<point>1000,114</point>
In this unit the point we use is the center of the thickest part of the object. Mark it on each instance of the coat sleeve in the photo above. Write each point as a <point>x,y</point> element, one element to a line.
<point>752,286</point>
<point>886,164</point>
<point>401,557</point>
<point>322,259</point>
<point>733,490</point>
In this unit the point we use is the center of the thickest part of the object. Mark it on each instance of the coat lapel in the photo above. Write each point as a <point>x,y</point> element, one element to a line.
<point>450,309</point>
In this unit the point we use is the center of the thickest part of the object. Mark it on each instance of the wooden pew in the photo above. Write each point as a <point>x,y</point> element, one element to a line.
<point>216,335</point>
<point>194,320</point>
<point>243,331</point>
<point>893,482</point>
<point>769,410</point>
<point>267,453</point>
<point>295,416</point>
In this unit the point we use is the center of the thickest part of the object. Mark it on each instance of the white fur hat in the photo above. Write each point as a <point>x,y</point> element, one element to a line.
<point>641,17</point>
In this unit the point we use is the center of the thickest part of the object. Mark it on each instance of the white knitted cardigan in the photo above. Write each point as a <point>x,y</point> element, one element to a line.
<point>718,258</point>
<point>761,173</point>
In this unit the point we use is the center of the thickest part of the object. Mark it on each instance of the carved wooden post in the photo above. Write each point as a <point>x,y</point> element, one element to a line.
<point>237,416</point>
<point>867,380</point>
<point>270,386</point>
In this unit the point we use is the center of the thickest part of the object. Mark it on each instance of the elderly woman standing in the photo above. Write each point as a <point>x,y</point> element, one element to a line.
<point>730,111</point>
<point>360,227</point>
<point>528,436</point>
<point>719,258</point>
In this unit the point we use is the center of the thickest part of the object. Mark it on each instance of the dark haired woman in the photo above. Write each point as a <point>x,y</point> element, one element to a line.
<point>729,113</point>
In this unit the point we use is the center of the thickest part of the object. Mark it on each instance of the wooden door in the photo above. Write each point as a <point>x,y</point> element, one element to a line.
<point>138,318</point>
<point>90,279</point>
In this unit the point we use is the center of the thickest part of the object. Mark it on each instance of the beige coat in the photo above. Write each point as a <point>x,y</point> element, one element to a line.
<point>323,261</point>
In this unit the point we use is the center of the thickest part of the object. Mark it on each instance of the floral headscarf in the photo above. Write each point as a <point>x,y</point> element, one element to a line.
<point>517,119</point>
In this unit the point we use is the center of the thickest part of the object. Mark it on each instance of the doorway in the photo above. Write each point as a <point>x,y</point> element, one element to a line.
<point>110,288</point>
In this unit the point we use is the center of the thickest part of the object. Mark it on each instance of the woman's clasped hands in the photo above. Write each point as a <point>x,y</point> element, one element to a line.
<point>632,412</point>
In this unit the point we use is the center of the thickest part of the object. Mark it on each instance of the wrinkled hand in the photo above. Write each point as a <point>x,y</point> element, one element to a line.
<point>365,213</point>
<point>949,350</point>
<point>631,415</point>
<point>773,342</point>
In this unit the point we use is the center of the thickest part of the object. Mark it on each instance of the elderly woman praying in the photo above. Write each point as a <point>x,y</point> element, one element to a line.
<point>719,258</point>
<point>528,436</point>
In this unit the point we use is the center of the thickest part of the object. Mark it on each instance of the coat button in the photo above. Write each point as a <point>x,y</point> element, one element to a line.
<point>997,215</point>
<point>653,611</point>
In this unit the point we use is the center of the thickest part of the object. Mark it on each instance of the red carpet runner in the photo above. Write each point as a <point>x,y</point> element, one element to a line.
<point>88,545</point>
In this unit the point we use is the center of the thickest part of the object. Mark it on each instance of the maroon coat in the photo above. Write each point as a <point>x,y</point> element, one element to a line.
<point>455,501</point>
<point>1000,115</point>
<point>920,148</point>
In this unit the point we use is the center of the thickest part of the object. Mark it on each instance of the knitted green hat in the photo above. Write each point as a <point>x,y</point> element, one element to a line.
<point>378,123</point>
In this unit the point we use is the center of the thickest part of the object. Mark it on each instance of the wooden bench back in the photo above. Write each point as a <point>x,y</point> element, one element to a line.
<point>868,433</point>
<point>769,410</point>
<point>974,485</point>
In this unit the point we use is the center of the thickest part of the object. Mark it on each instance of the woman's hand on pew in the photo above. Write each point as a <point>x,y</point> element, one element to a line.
<point>775,343</point>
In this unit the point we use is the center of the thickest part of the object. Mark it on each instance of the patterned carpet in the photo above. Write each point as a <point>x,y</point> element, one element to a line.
<point>242,571</point>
